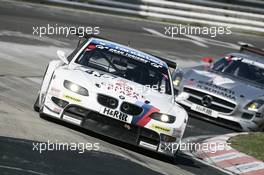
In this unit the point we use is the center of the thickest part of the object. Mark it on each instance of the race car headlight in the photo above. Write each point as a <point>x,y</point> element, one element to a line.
<point>255,105</point>
<point>163,117</point>
<point>177,81</point>
<point>75,88</point>
<point>177,77</point>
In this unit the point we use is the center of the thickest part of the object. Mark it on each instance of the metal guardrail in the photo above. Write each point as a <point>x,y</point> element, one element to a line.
<point>181,12</point>
<point>250,6</point>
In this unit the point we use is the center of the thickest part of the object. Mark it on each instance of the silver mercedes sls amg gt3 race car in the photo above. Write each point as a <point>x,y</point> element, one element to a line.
<point>116,91</point>
<point>229,91</point>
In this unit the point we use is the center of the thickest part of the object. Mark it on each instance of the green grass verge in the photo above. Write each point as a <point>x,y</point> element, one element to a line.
<point>251,144</point>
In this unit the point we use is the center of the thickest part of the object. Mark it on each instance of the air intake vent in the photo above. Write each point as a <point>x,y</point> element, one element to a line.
<point>130,109</point>
<point>107,101</point>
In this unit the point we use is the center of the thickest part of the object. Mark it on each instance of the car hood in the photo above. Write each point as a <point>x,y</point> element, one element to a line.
<point>120,88</point>
<point>225,86</point>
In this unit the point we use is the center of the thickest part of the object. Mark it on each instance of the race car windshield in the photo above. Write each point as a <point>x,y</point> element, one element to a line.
<point>241,68</point>
<point>128,68</point>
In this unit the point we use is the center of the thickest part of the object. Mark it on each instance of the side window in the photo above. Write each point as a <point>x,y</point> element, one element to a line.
<point>75,51</point>
<point>220,65</point>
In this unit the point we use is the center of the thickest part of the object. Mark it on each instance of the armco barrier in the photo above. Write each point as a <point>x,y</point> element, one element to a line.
<point>180,12</point>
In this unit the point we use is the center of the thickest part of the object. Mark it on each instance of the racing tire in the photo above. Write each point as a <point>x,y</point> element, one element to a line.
<point>36,105</point>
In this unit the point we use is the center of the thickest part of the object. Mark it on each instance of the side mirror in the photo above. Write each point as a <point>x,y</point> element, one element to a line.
<point>177,75</point>
<point>174,68</point>
<point>62,56</point>
<point>207,60</point>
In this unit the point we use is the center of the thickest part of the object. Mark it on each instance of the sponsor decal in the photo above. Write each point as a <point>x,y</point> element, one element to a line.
<point>143,118</point>
<point>115,114</point>
<point>160,128</point>
<point>204,110</point>
<point>71,98</point>
<point>122,88</point>
<point>54,91</point>
<point>57,110</point>
<point>208,86</point>
<point>130,53</point>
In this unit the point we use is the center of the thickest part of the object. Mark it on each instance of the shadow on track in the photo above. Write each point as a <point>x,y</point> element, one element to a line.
<point>181,160</point>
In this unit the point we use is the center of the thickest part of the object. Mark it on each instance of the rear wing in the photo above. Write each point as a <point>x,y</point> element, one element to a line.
<point>251,49</point>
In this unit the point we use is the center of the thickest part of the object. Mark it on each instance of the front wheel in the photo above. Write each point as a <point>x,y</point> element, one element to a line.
<point>36,105</point>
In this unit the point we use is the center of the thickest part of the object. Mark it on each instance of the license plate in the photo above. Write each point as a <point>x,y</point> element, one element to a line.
<point>204,110</point>
<point>116,114</point>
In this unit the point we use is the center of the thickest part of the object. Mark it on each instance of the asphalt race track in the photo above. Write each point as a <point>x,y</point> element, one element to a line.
<point>23,59</point>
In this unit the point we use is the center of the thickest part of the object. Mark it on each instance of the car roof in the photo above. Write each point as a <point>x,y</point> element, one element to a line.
<point>250,56</point>
<point>120,47</point>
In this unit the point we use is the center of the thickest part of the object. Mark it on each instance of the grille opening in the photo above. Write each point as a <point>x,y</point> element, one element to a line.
<point>167,138</point>
<point>149,136</point>
<point>95,121</point>
<point>107,101</point>
<point>247,116</point>
<point>130,109</point>
<point>224,105</point>
<point>76,110</point>
<point>258,115</point>
<point>212,106</point>
<point>219,121</point>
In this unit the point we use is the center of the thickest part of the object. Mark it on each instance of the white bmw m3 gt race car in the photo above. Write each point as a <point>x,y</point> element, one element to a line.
<point>116,91</point>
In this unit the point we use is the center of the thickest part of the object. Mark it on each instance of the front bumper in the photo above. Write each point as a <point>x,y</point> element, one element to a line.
<point>232,121</point>
<point>129,133</point>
